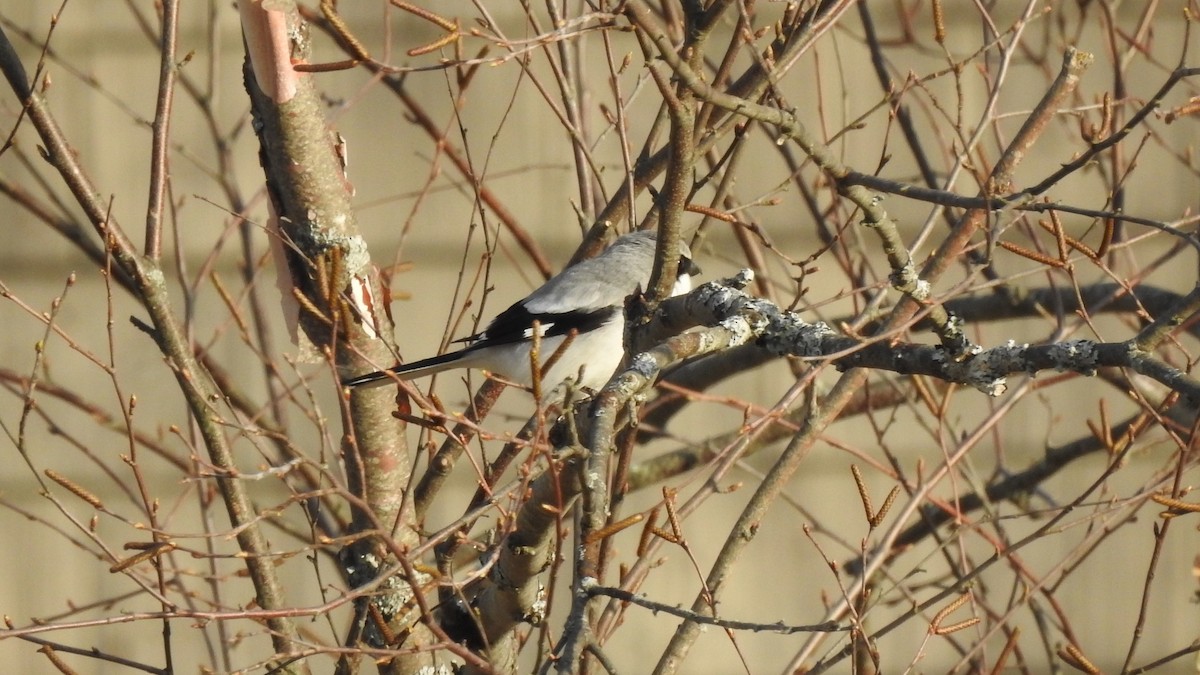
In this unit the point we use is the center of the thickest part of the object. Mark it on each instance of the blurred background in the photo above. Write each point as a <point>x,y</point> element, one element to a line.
<point>425,226</point>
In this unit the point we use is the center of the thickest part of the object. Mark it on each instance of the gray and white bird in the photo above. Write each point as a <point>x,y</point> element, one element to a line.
<point>588,298</point>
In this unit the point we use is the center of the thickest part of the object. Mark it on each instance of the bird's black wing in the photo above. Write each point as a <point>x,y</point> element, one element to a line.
<point>515,324</point>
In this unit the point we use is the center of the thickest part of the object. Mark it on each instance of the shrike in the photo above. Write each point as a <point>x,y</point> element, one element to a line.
<point>588,298</point>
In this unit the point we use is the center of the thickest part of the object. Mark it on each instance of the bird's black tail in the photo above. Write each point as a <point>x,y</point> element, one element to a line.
<point>407,371</point>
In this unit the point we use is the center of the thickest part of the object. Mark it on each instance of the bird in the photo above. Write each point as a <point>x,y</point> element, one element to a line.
<point>587,298</point>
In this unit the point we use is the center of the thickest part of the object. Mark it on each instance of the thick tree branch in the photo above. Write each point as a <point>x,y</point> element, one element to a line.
<point>342,309</point>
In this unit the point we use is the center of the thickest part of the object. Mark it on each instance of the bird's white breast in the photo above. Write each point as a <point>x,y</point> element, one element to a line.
<point>598,352</point>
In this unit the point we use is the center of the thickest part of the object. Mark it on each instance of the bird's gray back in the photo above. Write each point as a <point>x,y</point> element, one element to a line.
<point>603,281</point>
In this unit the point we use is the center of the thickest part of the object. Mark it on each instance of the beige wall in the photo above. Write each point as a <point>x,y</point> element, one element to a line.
<point>48,563</point>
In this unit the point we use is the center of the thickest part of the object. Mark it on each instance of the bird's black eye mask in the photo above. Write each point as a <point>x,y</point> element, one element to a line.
<point>688,266</point>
